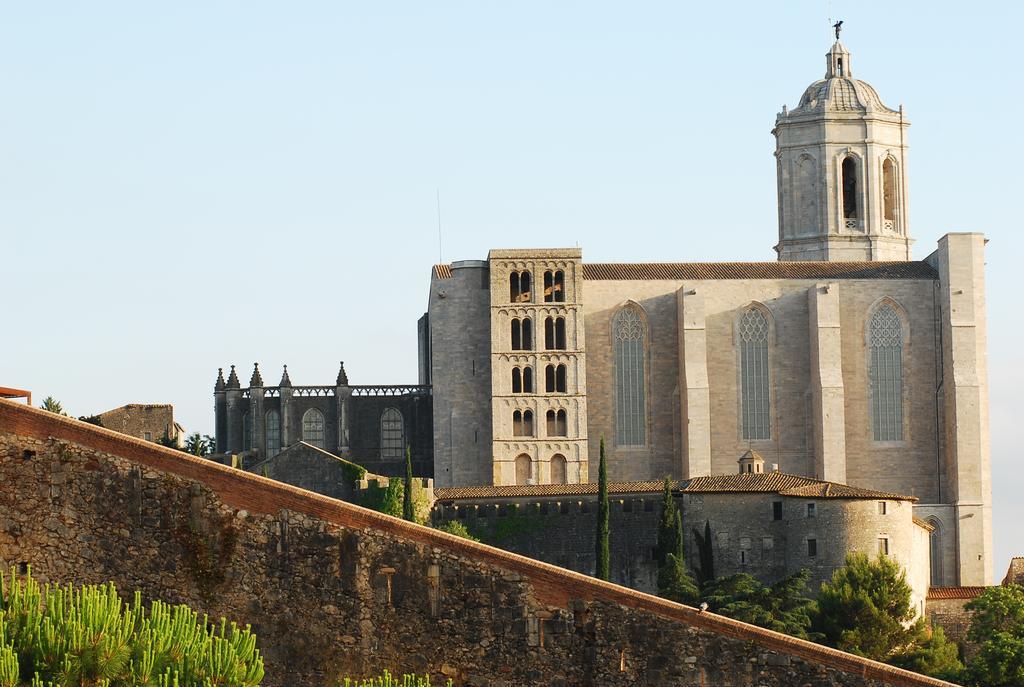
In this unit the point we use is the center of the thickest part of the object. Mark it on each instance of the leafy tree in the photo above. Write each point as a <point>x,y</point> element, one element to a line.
<point>53,405</point>
<point>91,419</point>
<point>408,510</point>
<point>675,583</point>
<point>997,626</point>
<point>865,608</point>
<point>667,534</point>
<point>782,606</point>
<point>706,572</point>
<point>199,444</point>
<point>932,654</point>
<point>603,550</point>
<point>166,440</point>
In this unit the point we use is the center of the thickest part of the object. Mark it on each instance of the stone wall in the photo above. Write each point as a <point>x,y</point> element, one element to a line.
<point>334,589</point>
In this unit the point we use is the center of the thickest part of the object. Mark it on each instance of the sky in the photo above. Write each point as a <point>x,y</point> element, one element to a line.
<point>190,185</point>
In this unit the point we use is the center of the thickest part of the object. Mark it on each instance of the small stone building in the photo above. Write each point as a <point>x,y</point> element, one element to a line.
<point>370,425</point>
<point>149,421</point>
<point>769,525</point>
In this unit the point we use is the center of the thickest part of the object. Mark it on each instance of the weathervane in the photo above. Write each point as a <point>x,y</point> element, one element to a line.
<point>838,26</point>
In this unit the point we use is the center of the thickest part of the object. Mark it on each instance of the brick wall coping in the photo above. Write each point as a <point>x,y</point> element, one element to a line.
<point>551,585</point>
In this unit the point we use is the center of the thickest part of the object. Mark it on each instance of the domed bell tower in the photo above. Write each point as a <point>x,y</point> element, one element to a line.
<point>841,158</point>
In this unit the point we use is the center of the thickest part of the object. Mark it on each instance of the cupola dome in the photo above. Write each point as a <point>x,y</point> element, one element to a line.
<point>839,91</point>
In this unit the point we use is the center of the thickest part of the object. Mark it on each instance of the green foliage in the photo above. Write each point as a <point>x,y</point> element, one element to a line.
<point>782,606</point>
<point>667,534</point>
<point>387,680</point>
<point>499,531</point>
<point>408,511</point>
<point>166,440</point>
<point>452,527</point>
<point>91,419</point>
<point>931,654</point>
<point>997,626</point>
<point>706,553</point>
<point>865,608</point>
<point>352,471</point>
<point>387,500</point>
<point>71,637</point>
<point>53,405</point>
<point>199,444</point>
<point>675,583</point>
<point>603,546</point>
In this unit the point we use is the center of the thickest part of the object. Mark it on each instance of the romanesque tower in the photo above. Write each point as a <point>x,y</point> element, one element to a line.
<point>538,367</point>
<point>841,157</point>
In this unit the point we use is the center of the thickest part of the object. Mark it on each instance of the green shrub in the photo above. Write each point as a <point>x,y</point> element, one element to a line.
<point>458,529</point>
<point>387,680</point>
<point>62,636</point>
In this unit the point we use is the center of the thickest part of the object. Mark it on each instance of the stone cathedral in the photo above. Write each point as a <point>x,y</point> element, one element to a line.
<point>846,360</point>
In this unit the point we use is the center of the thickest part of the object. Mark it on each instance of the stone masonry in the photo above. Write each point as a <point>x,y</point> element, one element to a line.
<point>332,589</point>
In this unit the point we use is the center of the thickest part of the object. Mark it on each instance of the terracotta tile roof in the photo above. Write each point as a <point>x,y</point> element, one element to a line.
<point>954,592</point>
<point>785,485</point>
<point>759,270</point>
<point>509,491</point>
<point>442,271</point>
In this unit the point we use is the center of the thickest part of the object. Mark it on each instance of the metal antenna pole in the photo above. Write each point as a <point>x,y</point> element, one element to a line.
<point>440,254</point>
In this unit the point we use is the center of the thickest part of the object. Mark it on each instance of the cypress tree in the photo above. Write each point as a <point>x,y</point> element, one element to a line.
<point>667,524</point>
<point>603,549</point>
<point>408,511</point>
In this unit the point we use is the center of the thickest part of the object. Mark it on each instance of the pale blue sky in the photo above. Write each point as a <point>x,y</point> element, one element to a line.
<point>203,183</point>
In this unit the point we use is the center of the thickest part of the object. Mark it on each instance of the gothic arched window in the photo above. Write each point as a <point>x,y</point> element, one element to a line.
<point>392,435</point>
<point>935,551</point>
<point>754,390</point>
<point>885,339</point>
<point>313,428</point>
<point>629,332</point>
<point>273,433</point>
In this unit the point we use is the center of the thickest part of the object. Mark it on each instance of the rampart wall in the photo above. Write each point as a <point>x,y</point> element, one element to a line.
<point>333,589</point>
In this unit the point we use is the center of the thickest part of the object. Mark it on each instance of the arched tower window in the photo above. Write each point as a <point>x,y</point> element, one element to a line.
<point>524,469</point>
<point>755,393</point>
<point>247,432</point>
<point>313,428</point>
<point>392,434</point>
<point>889,193</point>
<point>554,286</point>
<point>935,552</point>
<point>522,334</point>
<point>554,333</point>
<point>519,287</point>
<point>629,332</point>
<point>273,433</point>
<point>522,423</point>
<point>557,424</point>
<point>517,380</point>
<point>558,470</point>
<point>851,211</point>
<point>555,379</point>
<point>886,371</point>
<point>527,380</point>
